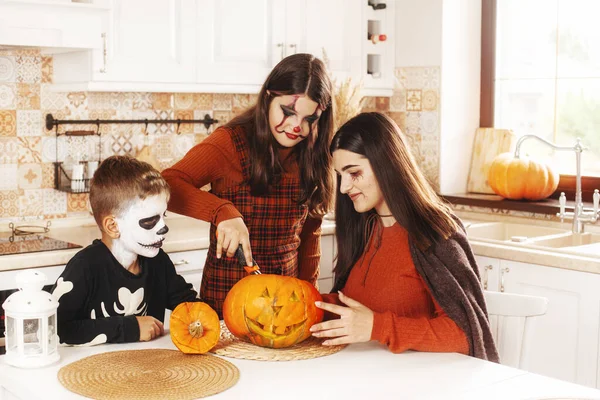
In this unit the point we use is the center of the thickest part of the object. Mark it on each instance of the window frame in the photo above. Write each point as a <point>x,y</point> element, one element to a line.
<point>486,111</point>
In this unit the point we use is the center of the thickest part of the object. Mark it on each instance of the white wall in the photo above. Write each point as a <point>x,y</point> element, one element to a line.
<point>418,33</point>
<point>460,91</point>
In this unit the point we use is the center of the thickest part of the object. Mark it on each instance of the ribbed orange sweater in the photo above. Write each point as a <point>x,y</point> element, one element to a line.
<point>215,161</point>
<point>406,317</point>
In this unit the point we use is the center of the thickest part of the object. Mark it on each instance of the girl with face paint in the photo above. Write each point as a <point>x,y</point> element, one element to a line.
<point>270,177</point>
<point>405,272</point>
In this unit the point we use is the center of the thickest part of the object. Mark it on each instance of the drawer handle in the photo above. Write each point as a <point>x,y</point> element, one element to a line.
<point>505,270</point>
<point>485,277</point>
<point>181,262</point>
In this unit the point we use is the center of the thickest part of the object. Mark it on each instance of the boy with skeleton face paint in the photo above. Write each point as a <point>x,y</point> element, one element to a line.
<point>117,289</point>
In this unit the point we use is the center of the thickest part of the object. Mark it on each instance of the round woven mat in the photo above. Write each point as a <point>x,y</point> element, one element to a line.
<point>148,374</point>
<point>230,346</point>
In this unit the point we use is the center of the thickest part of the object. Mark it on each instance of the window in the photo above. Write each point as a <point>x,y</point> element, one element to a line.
<point>541,75</point>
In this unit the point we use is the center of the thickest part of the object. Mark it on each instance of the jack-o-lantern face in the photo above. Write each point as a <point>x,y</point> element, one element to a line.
<point>271,310</point>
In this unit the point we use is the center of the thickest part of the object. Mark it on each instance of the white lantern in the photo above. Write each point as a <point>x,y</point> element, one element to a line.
<point>30,320</point>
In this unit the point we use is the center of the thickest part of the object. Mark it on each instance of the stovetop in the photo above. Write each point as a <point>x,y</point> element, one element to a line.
<point>11,244</point>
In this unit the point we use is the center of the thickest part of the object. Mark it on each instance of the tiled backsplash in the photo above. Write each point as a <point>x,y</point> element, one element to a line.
<point>27,149</point>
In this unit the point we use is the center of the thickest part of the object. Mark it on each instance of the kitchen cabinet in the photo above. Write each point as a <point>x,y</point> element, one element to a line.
<point>8,282</point>
<point>146,45</point>
<point>566,337</point>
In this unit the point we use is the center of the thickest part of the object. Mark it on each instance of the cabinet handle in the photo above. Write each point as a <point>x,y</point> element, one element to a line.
<point>181,262</point>
<point>293,46</point>
<point>104,53</point>
<point>503,270</point>
<point>282,47</point>
<point>485,275</point>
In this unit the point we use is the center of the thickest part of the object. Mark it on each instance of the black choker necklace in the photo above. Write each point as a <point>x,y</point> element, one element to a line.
<point>389,215</point>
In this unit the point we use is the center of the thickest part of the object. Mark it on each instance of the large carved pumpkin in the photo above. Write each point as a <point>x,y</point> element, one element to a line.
<point>521,178</point>
<point>195,327</point>
<point>271,310</point>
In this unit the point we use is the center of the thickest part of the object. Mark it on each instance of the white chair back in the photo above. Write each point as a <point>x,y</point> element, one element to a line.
<point>512,319</point>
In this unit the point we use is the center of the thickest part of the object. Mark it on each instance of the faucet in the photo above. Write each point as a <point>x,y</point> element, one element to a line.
<point>579,215</point>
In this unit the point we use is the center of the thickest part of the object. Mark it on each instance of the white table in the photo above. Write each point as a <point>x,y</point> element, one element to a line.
<point>361,371</point>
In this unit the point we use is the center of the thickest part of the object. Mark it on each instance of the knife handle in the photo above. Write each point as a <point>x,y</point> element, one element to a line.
<point>251,269</point>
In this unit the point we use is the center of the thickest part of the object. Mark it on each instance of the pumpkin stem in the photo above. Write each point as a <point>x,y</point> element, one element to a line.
<point>195,328</point>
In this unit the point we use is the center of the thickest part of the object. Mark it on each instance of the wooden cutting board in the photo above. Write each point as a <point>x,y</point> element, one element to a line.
<point>488,143</point>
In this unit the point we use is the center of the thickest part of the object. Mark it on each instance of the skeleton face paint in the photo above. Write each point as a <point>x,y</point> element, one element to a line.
<point>143,228</point>
<point>293,118</point>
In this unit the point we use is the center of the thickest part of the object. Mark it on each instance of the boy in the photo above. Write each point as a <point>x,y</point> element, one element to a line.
<point>117,288</point>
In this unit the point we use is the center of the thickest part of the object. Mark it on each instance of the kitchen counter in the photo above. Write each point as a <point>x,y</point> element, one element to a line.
<point>366,370</point>
<point>185,234</point>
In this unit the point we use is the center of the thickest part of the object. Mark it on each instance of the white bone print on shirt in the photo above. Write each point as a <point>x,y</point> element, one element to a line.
<point>133,303</point>
<point>62,287</point>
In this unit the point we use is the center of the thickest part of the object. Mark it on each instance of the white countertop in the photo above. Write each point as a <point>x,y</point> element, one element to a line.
<point>184,234</point>
<point>360,371</point>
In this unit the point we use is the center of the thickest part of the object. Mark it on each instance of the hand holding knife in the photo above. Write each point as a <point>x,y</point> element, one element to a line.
<point>250,269</point>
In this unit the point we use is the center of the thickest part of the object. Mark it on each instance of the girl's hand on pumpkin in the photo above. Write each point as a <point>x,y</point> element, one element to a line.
<point>150,328</point>
<point>230,233</point>
<point>354,325</point>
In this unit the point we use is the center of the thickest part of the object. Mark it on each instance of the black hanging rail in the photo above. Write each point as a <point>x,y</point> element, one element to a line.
<point>52,122</point>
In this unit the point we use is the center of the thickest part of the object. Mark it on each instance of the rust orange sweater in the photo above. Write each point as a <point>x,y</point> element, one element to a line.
<point>406,317</point>
<point>215,161</point>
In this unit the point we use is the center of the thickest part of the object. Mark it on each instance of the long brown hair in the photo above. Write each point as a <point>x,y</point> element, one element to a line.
<point>296,74</point>
<point>410,198</point>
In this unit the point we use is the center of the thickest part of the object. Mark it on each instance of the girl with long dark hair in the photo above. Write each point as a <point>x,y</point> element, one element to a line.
<point>405,272</point>
<point>270,176</point>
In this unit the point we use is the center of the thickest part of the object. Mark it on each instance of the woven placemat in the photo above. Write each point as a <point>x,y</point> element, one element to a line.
<point>148,374</point>
<point>230,346</point>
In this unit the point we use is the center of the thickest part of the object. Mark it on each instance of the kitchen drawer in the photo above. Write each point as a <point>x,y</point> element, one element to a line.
<point>7,278</point>
<point>189,264</point>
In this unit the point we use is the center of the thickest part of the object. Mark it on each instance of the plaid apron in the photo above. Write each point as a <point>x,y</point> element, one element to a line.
<point>274,223</point>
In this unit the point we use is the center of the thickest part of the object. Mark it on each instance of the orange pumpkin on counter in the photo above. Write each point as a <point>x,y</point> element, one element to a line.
<point>271,310</point>
<point>521,178</point>
<point>195,327</point>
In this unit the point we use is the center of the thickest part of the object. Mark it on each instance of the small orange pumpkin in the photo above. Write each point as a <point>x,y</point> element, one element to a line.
<point>521,178</point>
<point>195,327</point>
<point>272,310</point>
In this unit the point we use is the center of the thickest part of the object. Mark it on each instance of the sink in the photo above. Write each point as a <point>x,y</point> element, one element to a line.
<point>503,231</point>
<point>591,240</point>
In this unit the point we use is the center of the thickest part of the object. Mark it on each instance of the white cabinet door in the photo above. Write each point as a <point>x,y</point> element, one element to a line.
<point>333,26</point>
<point>236,44</point>
<point>488,271</point>
<point>190,264</point>
<point>150,41</point>
<point>566,337</point>
<point>7,278</point>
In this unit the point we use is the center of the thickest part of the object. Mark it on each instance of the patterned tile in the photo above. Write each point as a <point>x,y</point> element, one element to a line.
<point>8,96</point>
<point>8,177</point>
<point>58,114</point>
<point>52,100</point>
<point>30,176</point>
<point>223,117</point>
<point>8,69</point>
<point>431,77</point>
<point>161,101</point>
<point>429,100</point>
<point>398,100</point>
<point>163,148</point>
<point>28,96</point>
<point>82,148</point>
<point>9,150</point>
<point>369,104</point>
<point>240,103</point>
<point>117,144</point>
<point>429,122</point>
<point>382,104</point>
<point>47,175</point>
<point>77,202</point>
<point>183,144</point>
<point>185,114</point>
<point>55,203</point>
<point>54,149</point>
<point>9,203</point>
<point>77,106</point>
<point>413,123</point>
<point>29,68</point>
<point>222,101</point>
<point>31,203</point>
<point>412,77</point>
<point>8,123</point>
<point>30,150</point>
<point>199,114</point>
<point>203,101</point>
<point>47,69</point>
<point>163,129</point>
<point>29,123</point>
<point>141,101</point>
<point>253,98</point>
<point>183,101</point>
<point>413,100</point>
